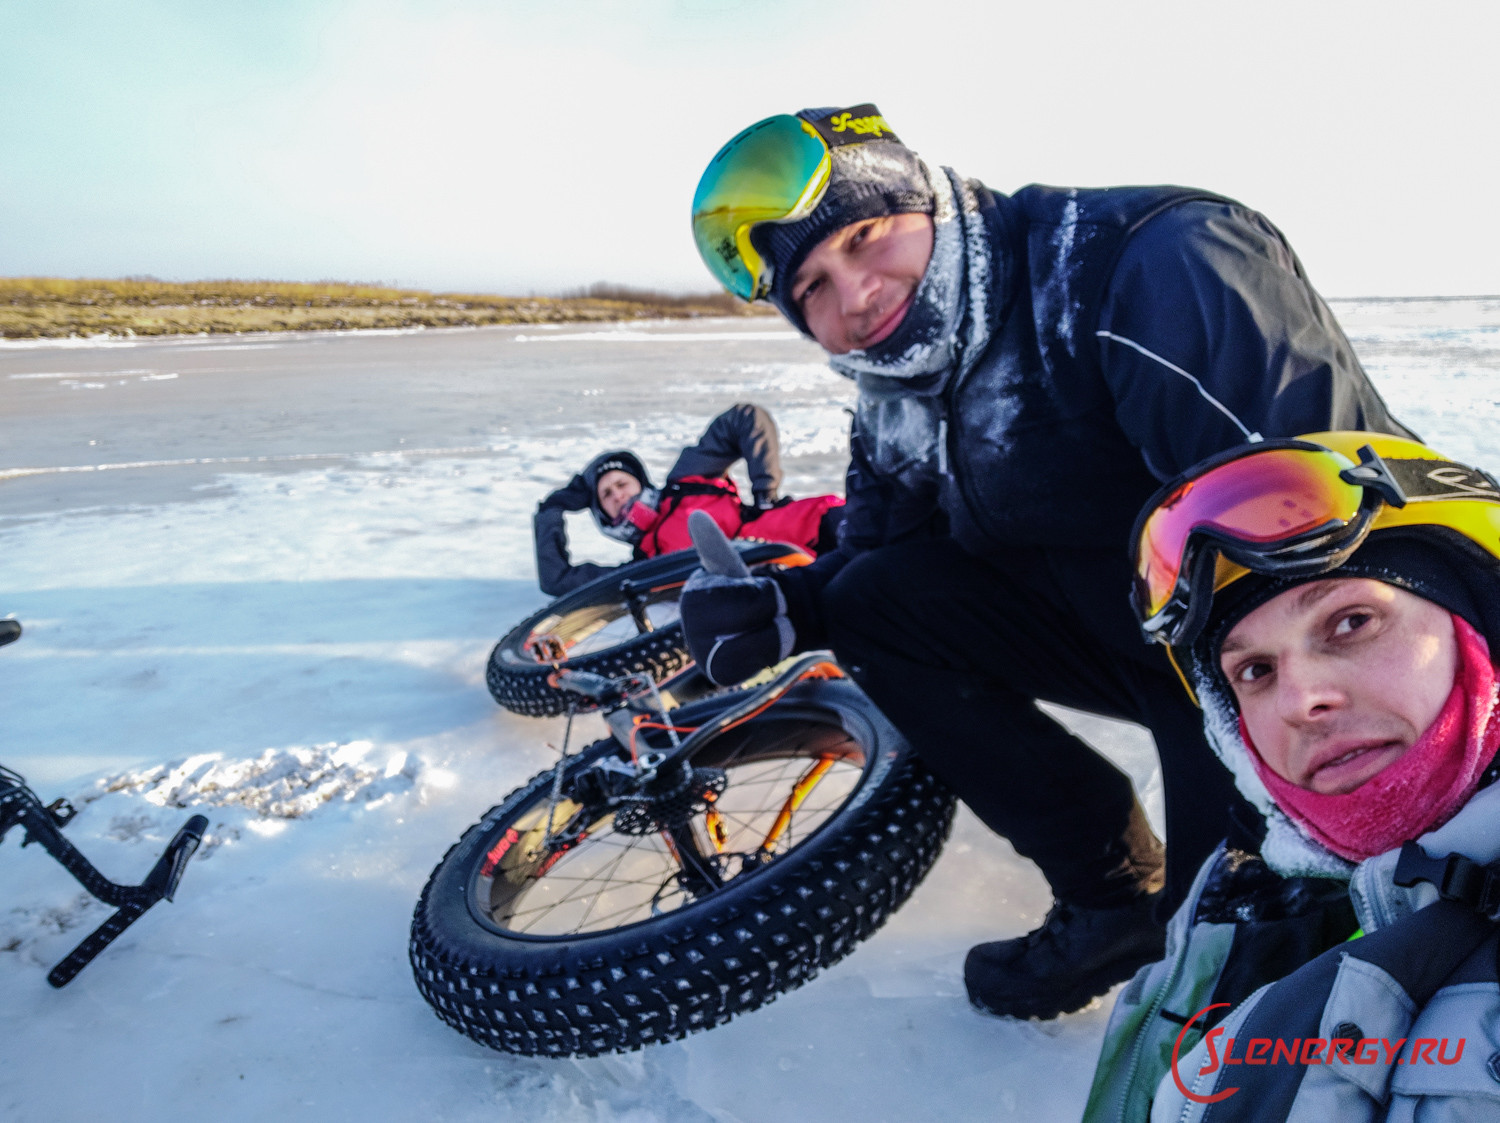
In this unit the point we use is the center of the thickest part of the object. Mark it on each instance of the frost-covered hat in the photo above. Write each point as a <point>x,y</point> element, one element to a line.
<point>878,176</point>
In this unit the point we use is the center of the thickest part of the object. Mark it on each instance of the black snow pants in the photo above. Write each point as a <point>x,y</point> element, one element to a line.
<point>956,651</point>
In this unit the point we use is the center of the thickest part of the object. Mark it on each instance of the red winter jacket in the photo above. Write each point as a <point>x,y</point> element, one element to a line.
<point>798,521</point>
<point>699,480</point>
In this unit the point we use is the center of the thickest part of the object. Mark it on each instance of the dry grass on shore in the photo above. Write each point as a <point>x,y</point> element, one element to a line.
<point>44,307</point>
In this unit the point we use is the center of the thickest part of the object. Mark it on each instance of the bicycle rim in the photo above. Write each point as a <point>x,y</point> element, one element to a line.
<point>594,628</point>
<point>786,777</point>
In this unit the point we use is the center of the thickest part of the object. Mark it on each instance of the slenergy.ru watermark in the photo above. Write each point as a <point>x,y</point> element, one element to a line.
<point>1306,1051</point>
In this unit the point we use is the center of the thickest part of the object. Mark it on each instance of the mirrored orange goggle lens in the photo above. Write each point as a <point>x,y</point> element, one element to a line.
<point>1259,499</point>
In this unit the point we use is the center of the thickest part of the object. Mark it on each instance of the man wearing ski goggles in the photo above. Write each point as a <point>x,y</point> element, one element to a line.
<point>1031,367</point>
<point>1332,601</point>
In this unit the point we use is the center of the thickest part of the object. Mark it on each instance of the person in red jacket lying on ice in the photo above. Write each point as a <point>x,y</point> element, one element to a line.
<point>617,490</point>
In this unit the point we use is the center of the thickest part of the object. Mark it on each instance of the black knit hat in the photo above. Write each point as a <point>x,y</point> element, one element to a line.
<point>616,463</point>
<point>1433,562</point>
<point>873,174</point>
<point>618,460</point>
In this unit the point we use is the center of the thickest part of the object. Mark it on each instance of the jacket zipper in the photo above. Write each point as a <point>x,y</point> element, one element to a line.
<point>1160,998</point>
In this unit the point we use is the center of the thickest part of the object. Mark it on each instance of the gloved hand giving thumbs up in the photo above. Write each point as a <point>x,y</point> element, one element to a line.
<point>735,623</point>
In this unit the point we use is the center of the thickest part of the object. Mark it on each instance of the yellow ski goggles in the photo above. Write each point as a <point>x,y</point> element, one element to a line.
<point>777,170</point>
<point>1292,508</point>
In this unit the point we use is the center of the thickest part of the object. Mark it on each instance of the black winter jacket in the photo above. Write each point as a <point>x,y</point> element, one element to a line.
<point>1141,330</point>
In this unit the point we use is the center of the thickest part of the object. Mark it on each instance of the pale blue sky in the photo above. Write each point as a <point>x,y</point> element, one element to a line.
<point>513,147</point>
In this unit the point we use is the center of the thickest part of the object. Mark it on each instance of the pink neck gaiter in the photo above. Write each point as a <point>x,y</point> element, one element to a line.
<point>1424,788</point>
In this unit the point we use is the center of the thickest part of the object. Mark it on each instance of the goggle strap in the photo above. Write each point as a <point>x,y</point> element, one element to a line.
<point>855,125</point>
<point>1373,474</point>
<point>1426,480</point>
<point>1182,676</point>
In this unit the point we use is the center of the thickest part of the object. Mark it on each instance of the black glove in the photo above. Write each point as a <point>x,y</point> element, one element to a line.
<point>735,626</point>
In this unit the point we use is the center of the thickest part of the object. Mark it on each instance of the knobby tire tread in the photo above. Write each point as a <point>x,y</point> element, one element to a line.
<point>525,690</point>
<point>658,981</point>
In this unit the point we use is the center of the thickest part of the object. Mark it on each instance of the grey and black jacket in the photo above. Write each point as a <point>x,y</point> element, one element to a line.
<point>1419,988</point>
<point>742,432</point>
<point>1140,330</point>
<point>1423,970</point>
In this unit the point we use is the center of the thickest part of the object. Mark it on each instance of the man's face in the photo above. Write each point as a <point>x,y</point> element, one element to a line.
<point>1337,679</point>
<point>616,488</point>
<point>855,287</point>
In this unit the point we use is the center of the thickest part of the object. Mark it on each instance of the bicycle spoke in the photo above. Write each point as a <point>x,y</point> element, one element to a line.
<point>584,919</point>
<point>573,893</point>
<point>784,780</point>
<point>615,625</point>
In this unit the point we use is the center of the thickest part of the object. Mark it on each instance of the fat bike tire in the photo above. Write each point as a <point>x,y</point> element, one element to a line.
<point>594,629</point>
<point>606,972</point>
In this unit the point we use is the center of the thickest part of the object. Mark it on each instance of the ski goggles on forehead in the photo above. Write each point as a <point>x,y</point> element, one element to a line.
<point>774,171</point>
<point>1282,508</point>
<point>777,170</point>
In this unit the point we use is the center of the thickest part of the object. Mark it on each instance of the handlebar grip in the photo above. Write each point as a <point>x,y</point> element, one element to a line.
<point>714,550</point>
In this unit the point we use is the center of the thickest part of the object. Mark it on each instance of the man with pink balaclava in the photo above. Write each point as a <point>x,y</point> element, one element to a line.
<point>1335,603</point>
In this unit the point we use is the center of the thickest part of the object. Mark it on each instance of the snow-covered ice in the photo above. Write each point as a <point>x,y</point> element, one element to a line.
<point>295,649</point>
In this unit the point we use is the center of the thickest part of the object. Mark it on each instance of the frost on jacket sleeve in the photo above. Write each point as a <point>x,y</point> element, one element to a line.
<point>555,572</point>
<point>1210,335</point>
<point>742,432</point>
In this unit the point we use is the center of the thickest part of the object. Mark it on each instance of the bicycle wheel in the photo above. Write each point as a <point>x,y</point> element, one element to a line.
<point>625,622</point>
<point>557,927</point>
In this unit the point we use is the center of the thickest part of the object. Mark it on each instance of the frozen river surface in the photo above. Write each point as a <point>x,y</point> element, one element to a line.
<point>260,577</point>
<point>190,407</point>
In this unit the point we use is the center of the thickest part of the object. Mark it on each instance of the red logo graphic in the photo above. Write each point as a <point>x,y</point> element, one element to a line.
<point>1305,1051</point>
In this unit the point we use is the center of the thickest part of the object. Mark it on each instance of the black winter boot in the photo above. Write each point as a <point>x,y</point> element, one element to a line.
<point>1075,956</point>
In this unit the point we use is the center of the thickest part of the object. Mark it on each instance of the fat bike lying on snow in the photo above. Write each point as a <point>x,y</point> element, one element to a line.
<point>622,623</point>
<point>711,853</point>
<point>20,806</point>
